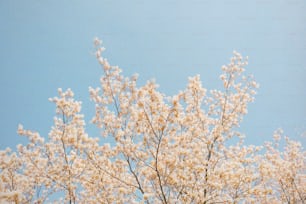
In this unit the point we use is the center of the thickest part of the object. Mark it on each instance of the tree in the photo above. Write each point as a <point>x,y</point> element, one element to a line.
<point>164,149</point>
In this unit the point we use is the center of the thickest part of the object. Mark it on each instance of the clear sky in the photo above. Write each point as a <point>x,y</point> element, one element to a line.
<point>47,44</point>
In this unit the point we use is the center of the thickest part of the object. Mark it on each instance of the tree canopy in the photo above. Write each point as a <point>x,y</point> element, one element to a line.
<point>164,149</point>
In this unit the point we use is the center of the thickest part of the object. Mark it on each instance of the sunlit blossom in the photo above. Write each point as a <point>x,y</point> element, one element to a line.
<point>155,148</point>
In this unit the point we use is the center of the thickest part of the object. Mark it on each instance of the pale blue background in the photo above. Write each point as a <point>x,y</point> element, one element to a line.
<point>48,44</point>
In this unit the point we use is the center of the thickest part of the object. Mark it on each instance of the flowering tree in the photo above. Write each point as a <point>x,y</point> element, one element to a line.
<point>163,149</point>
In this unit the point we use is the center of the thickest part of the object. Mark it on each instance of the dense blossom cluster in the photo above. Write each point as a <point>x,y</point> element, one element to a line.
<point>163,150</point>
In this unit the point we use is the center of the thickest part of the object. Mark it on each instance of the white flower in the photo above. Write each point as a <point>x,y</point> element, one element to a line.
<point>97,41</point>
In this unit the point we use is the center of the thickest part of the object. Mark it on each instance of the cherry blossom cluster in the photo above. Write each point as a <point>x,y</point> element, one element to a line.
<point>155,148</point>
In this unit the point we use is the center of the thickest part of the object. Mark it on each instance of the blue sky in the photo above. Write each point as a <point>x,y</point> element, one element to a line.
<point>48,44</point>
